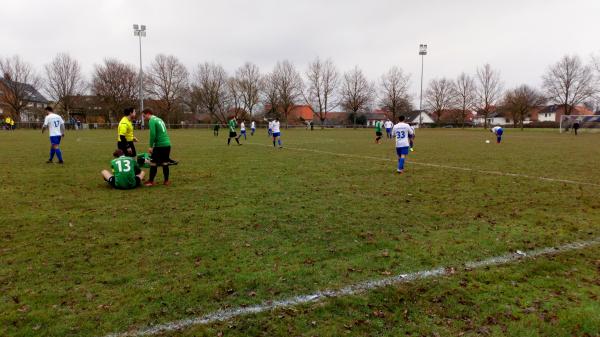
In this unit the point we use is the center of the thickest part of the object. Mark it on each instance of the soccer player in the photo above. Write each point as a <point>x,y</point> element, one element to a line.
<point>126,173</point>
<point>216,129</point>
<point>252,128</point>
<point>232,134</point>
<point>402,132</point>
<point>160,148</point>
<point>56,129</point>
<point>411,140</point>
<point>276,133</point>
<point>498,131</point>
<point>270,129</point>
<point>576,127</point>
<point>243,130</point>
<point>388,128</point>
<point>125,138</point>
<point>378,134</point>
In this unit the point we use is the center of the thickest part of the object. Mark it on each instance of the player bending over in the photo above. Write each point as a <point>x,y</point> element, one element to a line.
<point>160,148</point>
<point>126,172</point>
<point>498,131</point>
<point>232,134</point>
<point>378,134</point>
<point>276,132</point>
<point>56,129</point>
<point>402,132</point>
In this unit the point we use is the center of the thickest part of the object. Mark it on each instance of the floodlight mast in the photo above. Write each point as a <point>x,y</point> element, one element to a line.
<point>422,52</point>
<point>140,31</point>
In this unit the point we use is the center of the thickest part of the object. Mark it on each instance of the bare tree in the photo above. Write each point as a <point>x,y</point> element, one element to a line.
<point>289,87</point>
<point>167,81</point>
<point>570,83</point>
<point>234,100</point>
<point>209,91</point>
<point>520,101</point>
<point>439,97</point>
<point>488,90</point>
<point>357,92</point>
<point>394,92</point>
<point>323,81</point>
<point>250,83</point>
<point>18,76</point>
<point>464,93</point>
<point>64,80</point>
<point>116,84</point>
<point>270,94</point>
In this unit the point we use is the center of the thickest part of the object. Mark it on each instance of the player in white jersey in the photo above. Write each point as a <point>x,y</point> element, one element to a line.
<point>56,129</point>
<point>388,128</point>
<point>498,131</point>
<point>276,132</point>
<point>243,130</point>
<point>270,129</point>
<point>252,128</point>
<point>402,132</point>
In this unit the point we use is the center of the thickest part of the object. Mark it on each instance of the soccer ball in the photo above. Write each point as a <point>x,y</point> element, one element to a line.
<point>487,141</point>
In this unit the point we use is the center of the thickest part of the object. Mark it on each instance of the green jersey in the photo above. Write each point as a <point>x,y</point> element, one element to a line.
<point>143,158</point>
<point>124,169</point>
<point>378,125</point>
<point>232,125</point>
<point>158,133</point>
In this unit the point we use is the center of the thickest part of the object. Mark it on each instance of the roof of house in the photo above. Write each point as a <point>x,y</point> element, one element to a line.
<point>31,94</point>
<point>302,112</point>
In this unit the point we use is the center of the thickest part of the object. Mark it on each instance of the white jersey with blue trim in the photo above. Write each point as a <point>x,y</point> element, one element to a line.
<point>401,131</point>
<point>242,127</point>
<point>495,129</point>
<point>253,125</point>
<point>275,127</point>
<point>54,122</point>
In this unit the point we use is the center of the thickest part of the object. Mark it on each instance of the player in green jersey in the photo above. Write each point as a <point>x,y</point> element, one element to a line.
<point>160,148</point>
<point>232,124</point>
<point>126,173</point>
<point>378,133</point>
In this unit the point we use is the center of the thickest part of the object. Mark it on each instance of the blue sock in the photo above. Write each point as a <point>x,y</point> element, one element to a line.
<point>279,141</point>
<point>52,151</point>
<point>59,154</point>
<point>401,164</point>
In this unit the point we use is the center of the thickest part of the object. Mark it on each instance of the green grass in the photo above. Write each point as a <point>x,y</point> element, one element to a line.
<point>243,225</point>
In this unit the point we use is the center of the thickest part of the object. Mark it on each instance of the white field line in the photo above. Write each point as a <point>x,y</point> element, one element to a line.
<point>507,174</point>
<point>358,288</point>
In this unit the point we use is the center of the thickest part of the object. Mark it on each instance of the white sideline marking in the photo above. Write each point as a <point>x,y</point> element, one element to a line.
<point>498,173</point>
<point>226,314</point>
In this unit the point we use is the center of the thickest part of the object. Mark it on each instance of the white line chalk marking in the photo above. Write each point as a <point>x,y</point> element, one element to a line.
<point>498,173</point>
<point>227,314</point>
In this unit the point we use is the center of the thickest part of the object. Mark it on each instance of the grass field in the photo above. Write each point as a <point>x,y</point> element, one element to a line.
<point>243,225</point>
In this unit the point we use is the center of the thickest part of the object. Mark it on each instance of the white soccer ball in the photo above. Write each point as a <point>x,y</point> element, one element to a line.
<point>487,141</point>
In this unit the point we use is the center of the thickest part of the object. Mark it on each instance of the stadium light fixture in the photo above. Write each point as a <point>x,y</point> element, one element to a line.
<point>140,31</point>
<point>422,52</point>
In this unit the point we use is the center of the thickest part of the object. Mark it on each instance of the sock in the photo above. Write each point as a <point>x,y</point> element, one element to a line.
<point>166,172</point>
<point>228,141</point>
<point>59,154</point>
<point>153,170</point>
<point>401,164</point>
<point>237,140</point>
<point>52,151</point>
<point>273,143</point>
<point>279,141</point>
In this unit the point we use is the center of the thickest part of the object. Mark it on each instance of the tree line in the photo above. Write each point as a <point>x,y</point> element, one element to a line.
<point>209,88</point>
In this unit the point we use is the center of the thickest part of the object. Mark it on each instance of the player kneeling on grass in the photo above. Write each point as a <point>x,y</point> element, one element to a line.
<point>160,148</point>
<point>126,172</point>
<point>402,132</point>
<point>498,131</point>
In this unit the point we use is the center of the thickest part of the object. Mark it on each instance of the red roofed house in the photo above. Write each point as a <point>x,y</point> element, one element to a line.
<point>553,113</point>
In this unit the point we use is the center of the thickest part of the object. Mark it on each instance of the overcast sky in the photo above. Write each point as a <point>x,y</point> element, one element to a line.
<point>521,38</point>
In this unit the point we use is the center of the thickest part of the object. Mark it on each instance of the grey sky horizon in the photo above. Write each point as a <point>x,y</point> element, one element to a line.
<point>519,38</point>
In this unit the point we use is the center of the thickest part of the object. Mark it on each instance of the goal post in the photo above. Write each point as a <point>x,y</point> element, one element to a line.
<point>585,123</point>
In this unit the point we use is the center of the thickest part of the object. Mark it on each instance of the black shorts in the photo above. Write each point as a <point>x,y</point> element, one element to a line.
<point>379,134</point>
<point>161,155</point>
<point>232,134</point>
<point>111,182</point>
<point>124,146</point>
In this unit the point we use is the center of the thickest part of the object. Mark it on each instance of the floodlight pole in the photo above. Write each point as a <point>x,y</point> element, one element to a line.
<point>140,31</point>
<point>422,52</point>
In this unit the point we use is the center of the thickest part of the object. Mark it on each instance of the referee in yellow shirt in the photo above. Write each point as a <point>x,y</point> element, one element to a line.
<point>125,136</point>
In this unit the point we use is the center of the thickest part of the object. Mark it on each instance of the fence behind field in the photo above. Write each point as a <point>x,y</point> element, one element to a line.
<point>200,126</point>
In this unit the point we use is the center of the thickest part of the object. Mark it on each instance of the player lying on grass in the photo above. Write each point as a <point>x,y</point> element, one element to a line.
<point>402,132</point>
<point>56,129</point>
<point>160,148</point>
<point>498,131</point>
<point>126,173</point>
